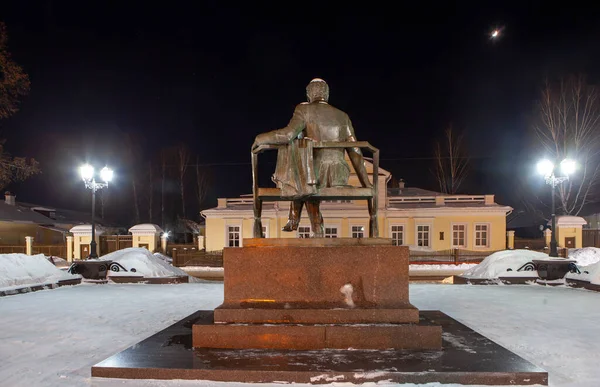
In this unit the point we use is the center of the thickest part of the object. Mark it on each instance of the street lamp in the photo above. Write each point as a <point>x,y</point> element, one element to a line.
<point>547,168</point>
<point>87,175</point>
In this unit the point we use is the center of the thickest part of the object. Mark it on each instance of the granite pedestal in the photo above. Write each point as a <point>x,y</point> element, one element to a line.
<point>304,294</point>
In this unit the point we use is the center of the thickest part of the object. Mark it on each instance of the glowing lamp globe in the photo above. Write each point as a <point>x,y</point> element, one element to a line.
<point>106,174</point>
<point>545,167</point>
<point>86,171</point>
<point>568,167</point>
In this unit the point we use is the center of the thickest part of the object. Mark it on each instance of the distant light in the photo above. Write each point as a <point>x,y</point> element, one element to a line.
<point>106,174</point>
<point>86,171</point>
<point>568,167</point>
<point>545,167</point>
<point>496,33</point>
<point>166,234</point>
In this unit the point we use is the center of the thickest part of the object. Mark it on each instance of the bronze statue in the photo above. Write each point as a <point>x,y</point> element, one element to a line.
<point>302,171</point>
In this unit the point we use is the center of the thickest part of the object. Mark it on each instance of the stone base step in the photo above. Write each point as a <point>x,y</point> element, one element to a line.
<point>292,315</point>
<point>308,337</point>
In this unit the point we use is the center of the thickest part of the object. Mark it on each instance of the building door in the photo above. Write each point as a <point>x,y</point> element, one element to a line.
<point>144,245</point>
<point>570,242</point>
<point>84,251</point>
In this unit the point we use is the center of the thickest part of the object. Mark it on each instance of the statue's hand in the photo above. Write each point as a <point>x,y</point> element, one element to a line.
<point>258,141</point>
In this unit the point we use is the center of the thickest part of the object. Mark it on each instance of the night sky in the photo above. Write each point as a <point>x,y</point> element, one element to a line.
<point>214,76</point>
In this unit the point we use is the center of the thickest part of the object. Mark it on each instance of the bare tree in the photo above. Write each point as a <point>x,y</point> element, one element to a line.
<point>103,202</point>
<point>136,203</point>
<point>184,159</point>
<point>451,161</point>
<point>14,82</point>
<point>150,190</point>
<point>201,184</point>
<point>569,126</point>
<point>163,171</point>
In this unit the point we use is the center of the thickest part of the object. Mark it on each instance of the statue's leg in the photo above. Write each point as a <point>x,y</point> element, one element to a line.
<point>257,232</point>
<point>373,224</point>
<point>316,219</point>
<point>294,216</point>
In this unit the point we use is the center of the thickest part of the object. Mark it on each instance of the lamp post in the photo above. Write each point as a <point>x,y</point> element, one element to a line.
<point>547,168</point>
<point>87,175</point>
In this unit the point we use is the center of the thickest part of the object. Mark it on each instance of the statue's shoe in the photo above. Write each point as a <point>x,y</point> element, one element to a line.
<point>291,225</point>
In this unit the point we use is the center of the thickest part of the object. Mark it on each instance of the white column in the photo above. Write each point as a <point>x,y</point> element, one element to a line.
<point>29,245</point>
<point>69,248</point>
<point>163,244</point>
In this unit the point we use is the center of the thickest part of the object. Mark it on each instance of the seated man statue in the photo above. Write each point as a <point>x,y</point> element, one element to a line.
<point>300,171</point>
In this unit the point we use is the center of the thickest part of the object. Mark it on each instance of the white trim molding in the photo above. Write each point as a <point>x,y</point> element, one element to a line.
<point>241,231</point>
<point>466,237</point>
<point>429,233</point>
<point>488,236</point>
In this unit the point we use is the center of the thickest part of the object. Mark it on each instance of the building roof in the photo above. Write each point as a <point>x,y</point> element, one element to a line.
<point>19,214</point>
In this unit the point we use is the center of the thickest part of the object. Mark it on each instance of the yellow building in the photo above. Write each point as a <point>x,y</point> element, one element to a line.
<point>421,219</point>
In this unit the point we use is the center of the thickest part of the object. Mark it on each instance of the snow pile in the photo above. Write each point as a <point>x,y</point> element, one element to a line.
<point>586,256</point>
<point>18,270</point>
<point>497,264</point>
<point>58,262</point>
<point>165,258</point>
<point>589,273</point>
<point>144,262</point>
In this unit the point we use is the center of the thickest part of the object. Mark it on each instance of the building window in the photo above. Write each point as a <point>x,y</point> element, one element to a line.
<point>459,235</point>
<point>233,236</point>
<point>423,235</point>
<point>264,232</point>
<point>331,232</point>
<point>397,234</point>
<point>303,232</point>
<point>482,232</point>
<point>358,231</point>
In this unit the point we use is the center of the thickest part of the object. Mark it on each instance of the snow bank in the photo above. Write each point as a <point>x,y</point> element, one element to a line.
<point>145,263</point>
<point>497,264</point>
<point>586,256</point>
<point>165,258</point>
<point>589,273</point>
<point>17,270</point>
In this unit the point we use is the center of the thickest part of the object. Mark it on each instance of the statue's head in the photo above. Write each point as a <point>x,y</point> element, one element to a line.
<point>317,90</point>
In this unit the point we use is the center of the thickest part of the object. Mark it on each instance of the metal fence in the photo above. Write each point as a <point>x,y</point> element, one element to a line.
<point>50,250</point>
<point>181,247</point>
<point>530,244</point>
<point>591,238</point>
<point>112,243</point>
<point>193,257</point>
<point>12,249</point>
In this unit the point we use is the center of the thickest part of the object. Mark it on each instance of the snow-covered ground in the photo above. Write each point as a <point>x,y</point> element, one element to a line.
<point>52,338</point>
<point>18,270</point>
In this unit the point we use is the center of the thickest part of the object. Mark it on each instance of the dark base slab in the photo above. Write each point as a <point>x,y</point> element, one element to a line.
<point>183,279</point>
<point>466,357</point>
<point>460,280</point>
<point>582,284</point>
<point>35,288</point>
<point>127,279</point>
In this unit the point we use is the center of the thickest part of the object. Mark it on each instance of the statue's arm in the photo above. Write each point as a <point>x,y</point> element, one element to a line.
<point>285,135</point>
<point>356,158</point>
